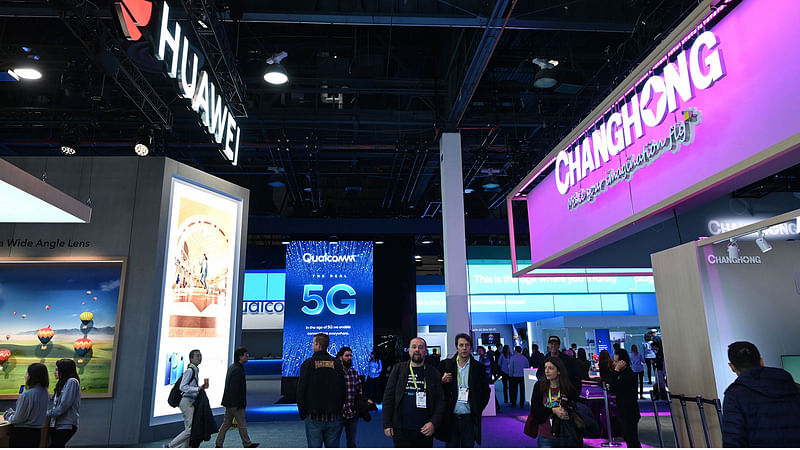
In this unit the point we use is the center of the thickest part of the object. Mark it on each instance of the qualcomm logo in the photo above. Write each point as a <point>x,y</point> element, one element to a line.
<point>309,258</point>
<point>133,13</point>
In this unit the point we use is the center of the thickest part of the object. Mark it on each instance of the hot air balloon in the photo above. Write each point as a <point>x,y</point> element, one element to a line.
<point>45,335</point>
<point>24,316</point>
<point>47,307</point>
<point>15,313</point>
<point>82,347</point>
<point>4,355</point>
<point>86,317</point>
<point>88,292</point>
<point>8,337</point>
<point>83,303</point>
<point>94,298</point>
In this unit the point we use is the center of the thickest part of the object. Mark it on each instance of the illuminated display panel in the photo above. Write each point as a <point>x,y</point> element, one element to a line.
<point>328,290</point>
<point>59,308</point>
<point>199,289</point>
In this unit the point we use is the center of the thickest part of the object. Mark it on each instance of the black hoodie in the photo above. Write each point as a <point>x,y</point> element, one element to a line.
<point>762,409</point>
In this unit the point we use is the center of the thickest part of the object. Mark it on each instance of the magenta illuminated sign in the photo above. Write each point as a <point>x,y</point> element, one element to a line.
<point>716,110</point>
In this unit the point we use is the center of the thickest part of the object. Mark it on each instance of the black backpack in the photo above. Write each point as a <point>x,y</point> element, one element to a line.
<point>175,394</point>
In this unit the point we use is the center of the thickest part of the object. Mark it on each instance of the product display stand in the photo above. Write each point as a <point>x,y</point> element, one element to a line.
<point>610,442</point>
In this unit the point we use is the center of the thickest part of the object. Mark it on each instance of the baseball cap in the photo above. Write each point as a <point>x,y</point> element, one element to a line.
<point>554,339</point>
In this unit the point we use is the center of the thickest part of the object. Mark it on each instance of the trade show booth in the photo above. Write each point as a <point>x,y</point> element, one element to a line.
<point>156,273</point>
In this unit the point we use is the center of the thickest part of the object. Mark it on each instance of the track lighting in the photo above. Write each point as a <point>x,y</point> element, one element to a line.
<point>762,243</point>
<point>733,249</point>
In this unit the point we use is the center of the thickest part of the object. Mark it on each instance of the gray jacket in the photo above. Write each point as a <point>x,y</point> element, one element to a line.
<point>31,409</point>
<point>66,405</point>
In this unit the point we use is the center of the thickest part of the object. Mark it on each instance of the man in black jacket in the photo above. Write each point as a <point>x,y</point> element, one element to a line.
<point>570,363</point>
<point>234,399</point>
<point>466,393</point>
<point>413,403</point>
<point>320,395</point>
<point>762,407</point>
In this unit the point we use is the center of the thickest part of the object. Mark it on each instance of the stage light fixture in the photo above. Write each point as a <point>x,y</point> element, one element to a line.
<point>546,77</point>
<point>733,249</point>
<point>276,73</point>
<point>26,72</point>
<point>144,141</point>
<point>762,243</point>
<point>70,141</point>
<point>333,240</point>
<point>469,190</point>
<point>427,241</point>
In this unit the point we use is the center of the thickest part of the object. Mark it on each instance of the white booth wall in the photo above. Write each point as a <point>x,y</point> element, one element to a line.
<point>704,307</point>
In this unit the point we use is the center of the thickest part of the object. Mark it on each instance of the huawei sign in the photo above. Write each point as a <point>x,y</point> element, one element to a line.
<point>132,14</point>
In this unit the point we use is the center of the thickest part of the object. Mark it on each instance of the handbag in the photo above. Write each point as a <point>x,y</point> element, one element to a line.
<point>531,427</point>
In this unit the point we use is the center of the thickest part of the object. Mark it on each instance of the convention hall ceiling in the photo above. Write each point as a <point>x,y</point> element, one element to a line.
<point>373,84</point>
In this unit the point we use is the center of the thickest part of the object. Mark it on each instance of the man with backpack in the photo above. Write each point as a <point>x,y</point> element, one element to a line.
<point>189,389</point>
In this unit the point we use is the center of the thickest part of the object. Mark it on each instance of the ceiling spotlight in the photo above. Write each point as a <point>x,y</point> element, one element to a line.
<point>553,62</point>
<point>285,242</point>
<point>276,73</point>
<point>427,241</point>
<point>25,73</point>
<point>417,257</point>
<point>469,190</point>
<point>546,76</point>
<point>333,240</point>
<point>733,249</point>
<point>70,141</point>
<point>491,183</point>
<point>276,181</point>
<point>762,243</point>
<point>144,141</point>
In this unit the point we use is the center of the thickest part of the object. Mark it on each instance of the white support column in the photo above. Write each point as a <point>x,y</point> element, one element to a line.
<point>454,238</point>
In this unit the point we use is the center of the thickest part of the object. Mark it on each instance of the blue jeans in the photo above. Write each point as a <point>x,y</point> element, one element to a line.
<point>545,442</point>
<point>350,426</point>
<point>318,433</point>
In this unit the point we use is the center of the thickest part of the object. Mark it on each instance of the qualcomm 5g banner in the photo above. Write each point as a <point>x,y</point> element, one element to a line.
<point>328,290</point>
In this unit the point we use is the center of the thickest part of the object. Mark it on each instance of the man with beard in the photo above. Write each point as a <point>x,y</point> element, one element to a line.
<point>353,387</point>
<point>570,363</point>
<point>413,403</point>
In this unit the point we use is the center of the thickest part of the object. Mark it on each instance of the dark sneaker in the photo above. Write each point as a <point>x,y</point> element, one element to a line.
<point>252,445</point>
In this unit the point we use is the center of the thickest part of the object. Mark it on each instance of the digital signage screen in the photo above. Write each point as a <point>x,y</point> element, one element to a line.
<point>55,308</point>
<point>328,290</point>
<point>199,289</point>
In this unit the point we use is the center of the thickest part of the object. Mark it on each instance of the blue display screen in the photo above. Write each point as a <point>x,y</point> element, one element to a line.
<point>328,290</point>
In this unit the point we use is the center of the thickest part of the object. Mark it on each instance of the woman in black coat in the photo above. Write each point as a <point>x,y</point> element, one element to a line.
<point>623,383</point>
<point>552,399</point>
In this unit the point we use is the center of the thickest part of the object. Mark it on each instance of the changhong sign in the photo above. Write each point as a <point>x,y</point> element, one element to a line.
<point>196,85</point>
<point>701,116</point>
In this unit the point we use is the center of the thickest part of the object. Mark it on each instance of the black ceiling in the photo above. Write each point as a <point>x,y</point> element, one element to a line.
<point>373,85</point>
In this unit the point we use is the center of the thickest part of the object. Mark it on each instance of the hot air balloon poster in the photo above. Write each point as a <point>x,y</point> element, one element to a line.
<point>44,319</point>
<point>198,287</point>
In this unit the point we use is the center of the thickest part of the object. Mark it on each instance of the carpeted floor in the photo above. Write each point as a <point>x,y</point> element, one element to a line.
<point>279,425</point>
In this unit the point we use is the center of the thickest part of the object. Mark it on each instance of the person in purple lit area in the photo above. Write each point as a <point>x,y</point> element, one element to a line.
<point>552,399</point>
<point>622,383</point>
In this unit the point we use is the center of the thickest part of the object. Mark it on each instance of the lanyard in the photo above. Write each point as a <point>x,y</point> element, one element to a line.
<point>414,377</point>
<point>550,397</point>
<point>459,368</point>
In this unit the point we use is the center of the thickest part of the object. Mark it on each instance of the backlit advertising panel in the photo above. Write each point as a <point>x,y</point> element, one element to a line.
<point>704,119</point>
<point>328,290</point>
<point>199,292</point>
